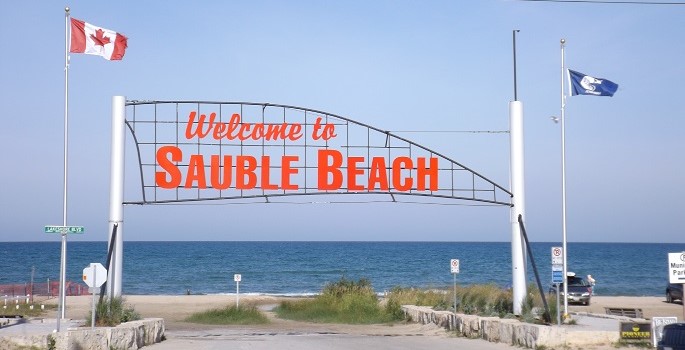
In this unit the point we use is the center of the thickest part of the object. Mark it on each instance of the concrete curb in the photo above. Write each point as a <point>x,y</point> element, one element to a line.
<point>129,335</point>
<point>509,331</point>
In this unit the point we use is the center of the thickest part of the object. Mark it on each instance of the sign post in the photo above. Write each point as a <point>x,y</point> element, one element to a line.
<point>95,275</point>
<point>454,268</point>
<point>558,274</point>
<point>676,271</point>
<point>63,230</point>
<point>237,277</point>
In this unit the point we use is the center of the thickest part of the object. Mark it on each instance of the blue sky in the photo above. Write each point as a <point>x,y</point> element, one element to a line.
<point>395,65</point>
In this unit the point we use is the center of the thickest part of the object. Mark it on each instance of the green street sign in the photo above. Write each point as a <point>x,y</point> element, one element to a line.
<point>64,229</point>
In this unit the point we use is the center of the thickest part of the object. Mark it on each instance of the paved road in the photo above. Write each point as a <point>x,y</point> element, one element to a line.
<point>245,339</point>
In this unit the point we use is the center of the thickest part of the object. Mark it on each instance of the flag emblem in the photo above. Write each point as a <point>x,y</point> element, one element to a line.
<point>583,84</point>
<point>93,40</point>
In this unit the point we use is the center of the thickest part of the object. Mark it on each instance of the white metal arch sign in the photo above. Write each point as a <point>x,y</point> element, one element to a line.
<point>199,151</point>
<point>193,151</point>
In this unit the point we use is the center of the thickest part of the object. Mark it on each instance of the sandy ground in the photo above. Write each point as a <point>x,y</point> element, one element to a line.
<point>174,309</point>
<point>651,306</point>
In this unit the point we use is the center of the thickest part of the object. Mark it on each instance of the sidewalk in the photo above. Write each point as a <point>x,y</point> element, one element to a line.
<point>36,326</point>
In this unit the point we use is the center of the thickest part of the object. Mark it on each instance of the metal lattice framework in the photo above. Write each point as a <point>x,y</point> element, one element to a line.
<point>156,124</point>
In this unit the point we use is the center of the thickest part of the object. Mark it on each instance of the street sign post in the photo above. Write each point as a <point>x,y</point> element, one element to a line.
<point>237,278</point>
<point>95,275</point>
<point>64,229</point>
<point>558,274</point>
<point>454,268</point>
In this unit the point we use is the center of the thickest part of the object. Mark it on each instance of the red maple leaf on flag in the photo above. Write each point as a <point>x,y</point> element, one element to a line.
<point>99,38</point>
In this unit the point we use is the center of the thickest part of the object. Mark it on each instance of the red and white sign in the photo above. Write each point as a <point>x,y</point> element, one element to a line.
<point>454,265</point>
<point>557,256</point>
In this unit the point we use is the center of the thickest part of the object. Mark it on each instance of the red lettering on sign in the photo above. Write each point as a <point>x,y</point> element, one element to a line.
<point>235,129</point>
<point>240,172</point>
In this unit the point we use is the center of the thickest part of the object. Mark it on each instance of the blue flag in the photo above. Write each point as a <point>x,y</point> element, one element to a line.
<point>582,84</point>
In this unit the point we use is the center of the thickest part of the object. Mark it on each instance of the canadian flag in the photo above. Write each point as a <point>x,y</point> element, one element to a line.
<point>89,39</point>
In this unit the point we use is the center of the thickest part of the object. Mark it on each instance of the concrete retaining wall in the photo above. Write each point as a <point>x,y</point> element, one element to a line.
<point>126,336</point>
<point>509,331</point>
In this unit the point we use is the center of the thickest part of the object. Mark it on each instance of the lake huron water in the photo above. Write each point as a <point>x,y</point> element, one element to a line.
<point>302,268</point>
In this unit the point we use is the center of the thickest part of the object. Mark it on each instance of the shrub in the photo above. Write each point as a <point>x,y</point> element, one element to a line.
<point>345,301</point>
<point>243,314</point>
<point>111,312</point>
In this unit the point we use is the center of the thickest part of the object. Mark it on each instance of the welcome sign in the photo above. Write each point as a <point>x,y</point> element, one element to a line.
<point>246,172</point>
<point>191,151</point>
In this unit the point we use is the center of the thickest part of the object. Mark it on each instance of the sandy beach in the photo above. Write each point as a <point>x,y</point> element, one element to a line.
<point>175,308</point>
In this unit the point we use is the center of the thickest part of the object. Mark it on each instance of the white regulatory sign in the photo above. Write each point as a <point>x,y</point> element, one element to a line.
<point>237,277</point>
<point>95,275</point>
<point>557,256</point>
<point>454,265</point>
<point>676,267</point>
<point>658,324</point>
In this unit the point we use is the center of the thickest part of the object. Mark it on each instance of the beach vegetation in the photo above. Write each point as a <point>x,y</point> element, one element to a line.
<point>435,298</point>
<point>111,312</point>
<point>26,310</point>
<point>345,301</point>
<point>349,301</point>
<point>478,299</point>
<point>484,300</point>
<point>230,315</point>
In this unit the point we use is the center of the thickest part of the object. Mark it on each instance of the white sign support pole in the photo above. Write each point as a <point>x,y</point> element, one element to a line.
<point>116,195</point>
<point>63,259</point>
<point>454,269</point>
<point>518,250</point>
<point>455,292</point>
<point>556,285</point>
<point>95,278</point>
<point>237,294</point>
<point>563,179</point>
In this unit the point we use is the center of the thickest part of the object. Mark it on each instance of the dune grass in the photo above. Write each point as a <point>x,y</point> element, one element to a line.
<point>345,301</point>
<point>435,298</point>
<point>478,299</point>
<point>111,312</point>
<point>355,302</point>
<point>230,315</point>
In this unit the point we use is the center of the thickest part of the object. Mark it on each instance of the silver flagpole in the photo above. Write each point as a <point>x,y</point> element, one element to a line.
<point>563,181</point>
<point>63,260</point>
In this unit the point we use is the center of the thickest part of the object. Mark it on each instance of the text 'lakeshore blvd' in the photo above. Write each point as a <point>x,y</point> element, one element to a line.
<point>244,172</point>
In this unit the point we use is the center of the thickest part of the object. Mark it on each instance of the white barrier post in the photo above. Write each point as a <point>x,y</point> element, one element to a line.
<point>116,195</point>
<point>518,250</point>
